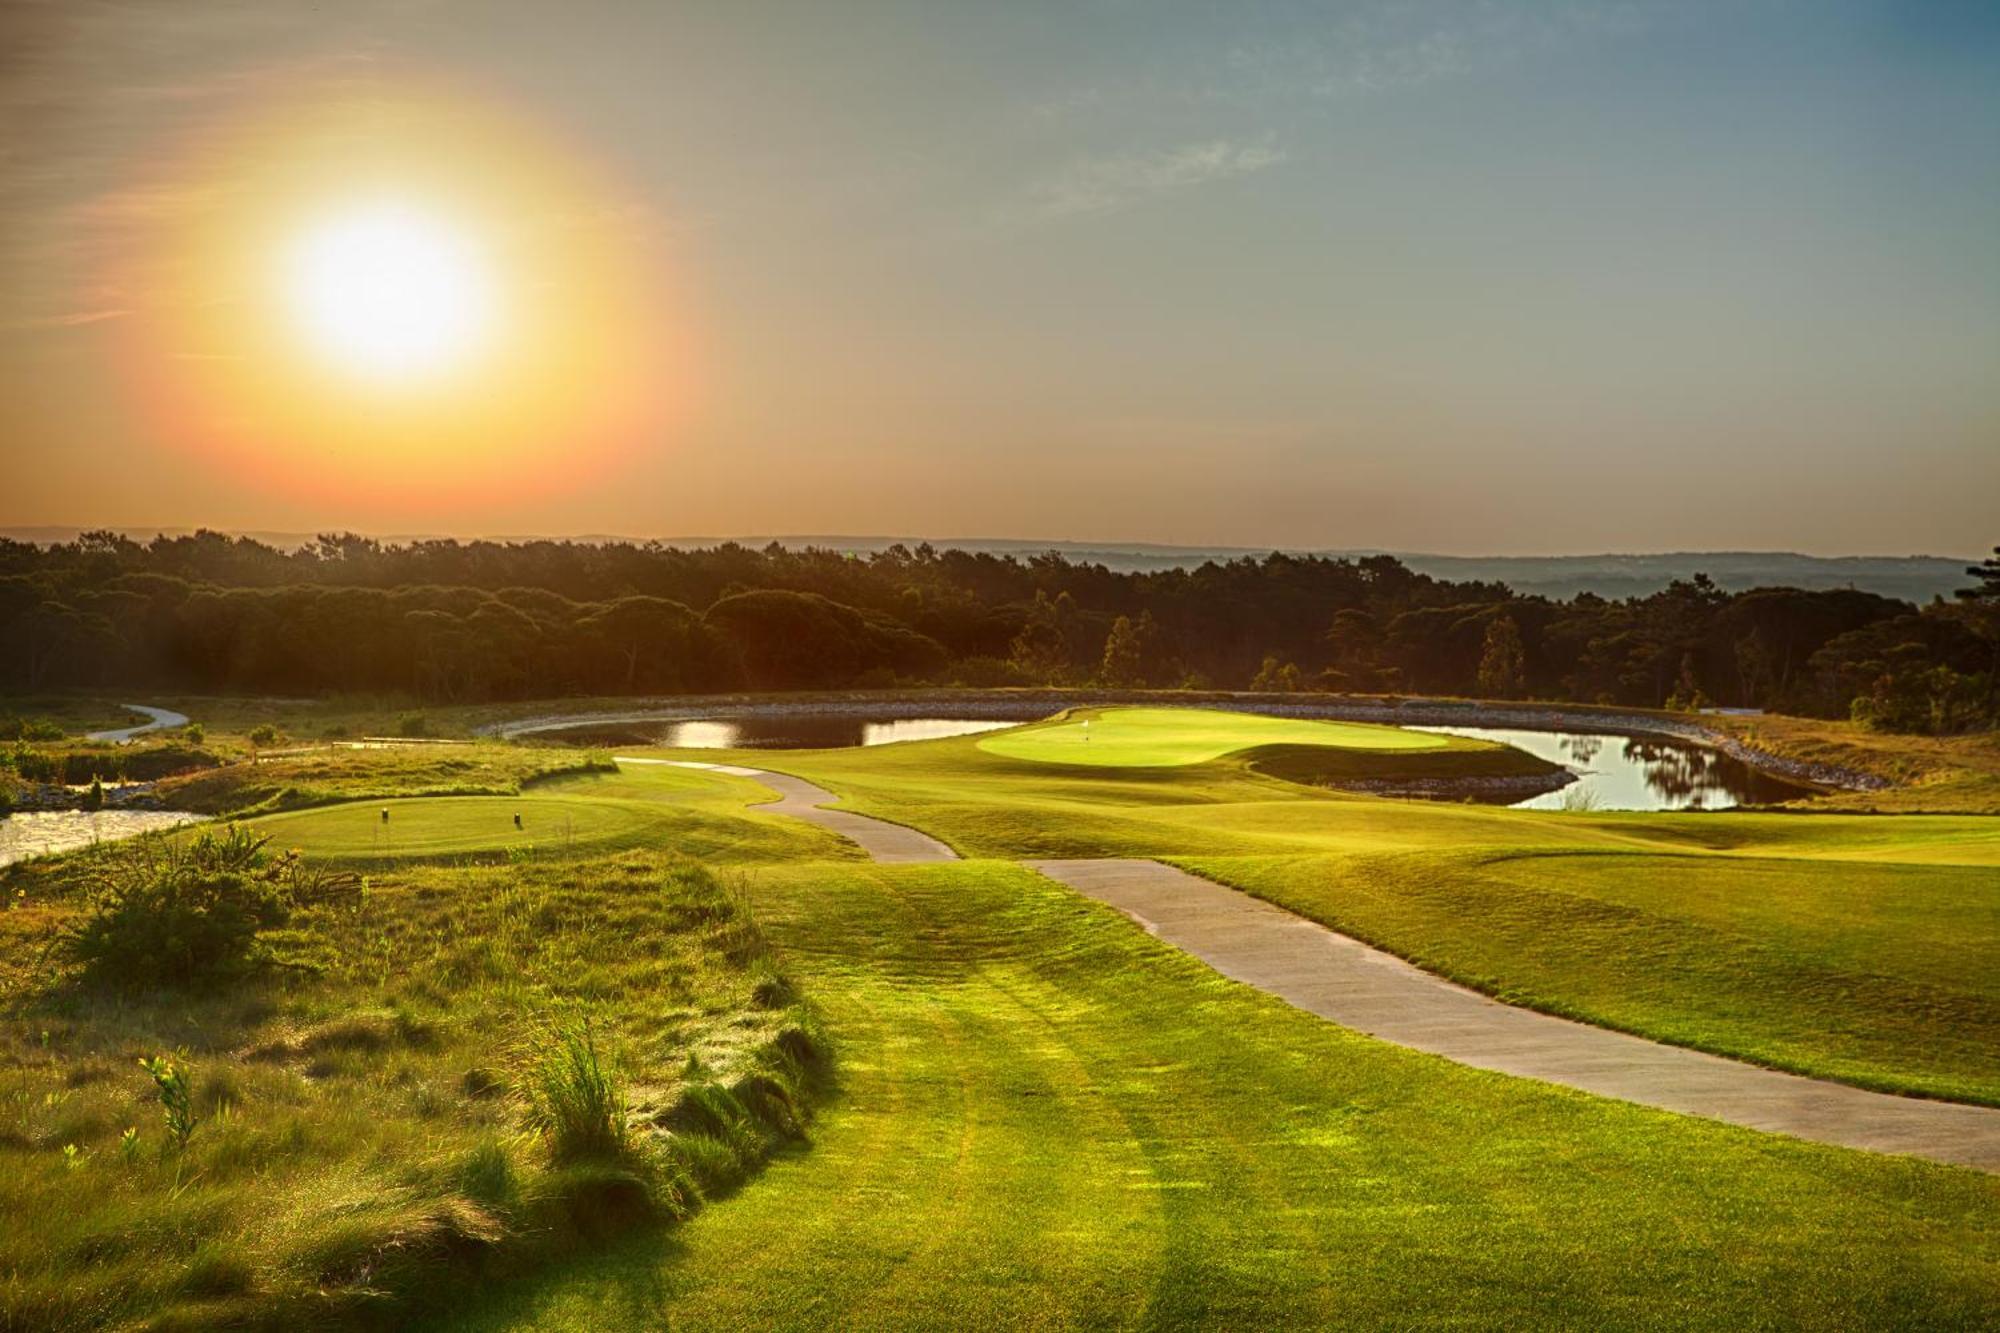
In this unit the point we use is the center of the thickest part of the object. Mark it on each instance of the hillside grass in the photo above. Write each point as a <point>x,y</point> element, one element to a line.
<point>359,1150</point>
<point>1050,1119</point>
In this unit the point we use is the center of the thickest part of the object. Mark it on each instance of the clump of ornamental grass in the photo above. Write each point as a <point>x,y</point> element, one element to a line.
<point>575,1095</point>
<point>183,912</point>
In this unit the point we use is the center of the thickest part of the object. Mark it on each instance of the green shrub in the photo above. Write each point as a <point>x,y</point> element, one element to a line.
<point>194,733</point>
<point>181,912</point>
<point>414,725</point>
<point>264,735</point>
<point>576,1096</point>
<point>170,1077</point>
<point>93,799</point>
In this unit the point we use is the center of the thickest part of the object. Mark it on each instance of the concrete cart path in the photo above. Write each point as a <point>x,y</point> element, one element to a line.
<point>890,843</point>
<point>162,720</point>
<point>1360,987</point>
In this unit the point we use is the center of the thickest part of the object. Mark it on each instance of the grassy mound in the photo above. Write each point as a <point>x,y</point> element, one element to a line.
<point>356,1144</point>
<point>1463,761</point>
<point>1160,737</point>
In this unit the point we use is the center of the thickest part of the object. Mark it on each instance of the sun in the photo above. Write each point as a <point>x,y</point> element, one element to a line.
<point>390,291</point>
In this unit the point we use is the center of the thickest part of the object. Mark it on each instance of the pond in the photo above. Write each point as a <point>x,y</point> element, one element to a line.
<point>1637,772</point>
<point>42,832</point>
<point>775,731</point>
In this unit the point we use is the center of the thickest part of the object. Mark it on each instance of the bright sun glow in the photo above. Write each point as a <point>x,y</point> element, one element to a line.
<point>390,291</point>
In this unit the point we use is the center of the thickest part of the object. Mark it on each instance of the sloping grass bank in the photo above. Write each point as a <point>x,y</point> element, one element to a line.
<point>452,1079</point>
<point>1883,975</point>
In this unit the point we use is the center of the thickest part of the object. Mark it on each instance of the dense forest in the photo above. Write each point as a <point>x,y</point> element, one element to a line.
<point>462,621</point>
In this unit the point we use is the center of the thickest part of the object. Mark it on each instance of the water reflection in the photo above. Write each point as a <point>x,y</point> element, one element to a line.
<point>775,731</point>
<point>42,832</point>
<point>1637,772</point>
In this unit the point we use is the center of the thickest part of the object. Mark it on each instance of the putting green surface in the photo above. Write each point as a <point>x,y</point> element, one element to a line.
<point>695,812</point>
<point>1163,737</point>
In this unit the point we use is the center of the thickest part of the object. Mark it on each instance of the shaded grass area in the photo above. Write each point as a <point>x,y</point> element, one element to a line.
<point>322,776</point>
<point>1155,737</point>
<point>1880,974</point>
<point>1468,761</point>
<point>1049,1119</point>
<point>357,1151</point>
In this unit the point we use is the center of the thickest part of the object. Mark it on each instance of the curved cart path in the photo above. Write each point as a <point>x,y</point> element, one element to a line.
<point>1361,987</point>
<point>893,844</point>
<point>161,719</point>
<point>1340,978</point>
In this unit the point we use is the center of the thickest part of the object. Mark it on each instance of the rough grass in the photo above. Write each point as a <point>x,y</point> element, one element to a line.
<point>1155,737</point>
<point>326,774</point>
<point>358,1146</point>
<point>1049,1119</point>
<point>1931,774</point>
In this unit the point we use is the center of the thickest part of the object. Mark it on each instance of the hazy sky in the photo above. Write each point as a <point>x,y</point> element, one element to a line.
<point>1451,275</point>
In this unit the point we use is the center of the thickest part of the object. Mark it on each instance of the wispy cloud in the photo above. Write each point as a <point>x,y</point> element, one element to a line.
<point>1101,184</point>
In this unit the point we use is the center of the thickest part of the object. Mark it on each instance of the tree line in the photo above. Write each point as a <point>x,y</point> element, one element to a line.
<point>452,621</point>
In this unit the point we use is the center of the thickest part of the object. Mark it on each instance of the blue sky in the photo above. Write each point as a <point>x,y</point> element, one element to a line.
<point>1457,275</point>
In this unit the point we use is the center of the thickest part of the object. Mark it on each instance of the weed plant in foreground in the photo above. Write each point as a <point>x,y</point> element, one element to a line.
<point>449,1077</point>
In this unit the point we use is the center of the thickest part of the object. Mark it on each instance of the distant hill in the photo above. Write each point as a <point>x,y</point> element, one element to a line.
<point>1915,578</point>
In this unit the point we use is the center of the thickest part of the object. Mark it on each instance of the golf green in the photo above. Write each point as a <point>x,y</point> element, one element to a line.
<point>458,825</point>
<point>1170,737</point>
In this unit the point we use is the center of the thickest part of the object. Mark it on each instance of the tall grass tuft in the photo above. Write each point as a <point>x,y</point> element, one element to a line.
<point>576,1096</point>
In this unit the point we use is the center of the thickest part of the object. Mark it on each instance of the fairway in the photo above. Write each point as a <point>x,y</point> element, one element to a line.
<point>1050,1119</point>
<point>1170,737</point>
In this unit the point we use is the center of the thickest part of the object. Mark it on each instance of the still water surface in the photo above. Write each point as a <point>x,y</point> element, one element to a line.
<point>41,832</point>
<point>776,731</point>
<point>1637,772</point>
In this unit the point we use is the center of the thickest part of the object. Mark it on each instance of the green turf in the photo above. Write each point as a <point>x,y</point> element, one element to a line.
<point>1794,940</point>
<point>1156,737</point>
<point>1049,1119</point>
<point>697,813</point>
<point>359,1141</point>
<point>1881,974</point>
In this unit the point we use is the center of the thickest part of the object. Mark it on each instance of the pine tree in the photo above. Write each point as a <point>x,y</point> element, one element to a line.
<point>1503,663</point>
